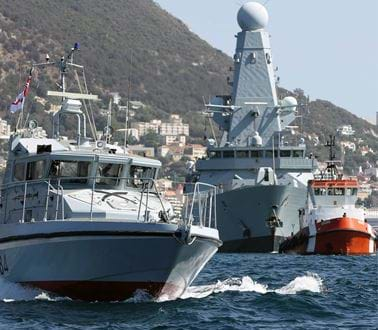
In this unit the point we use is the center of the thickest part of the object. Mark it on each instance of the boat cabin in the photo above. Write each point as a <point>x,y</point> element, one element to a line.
<point>333,192</point>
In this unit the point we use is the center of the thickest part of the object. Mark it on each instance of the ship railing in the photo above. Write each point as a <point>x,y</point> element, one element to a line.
<point>198,206</point>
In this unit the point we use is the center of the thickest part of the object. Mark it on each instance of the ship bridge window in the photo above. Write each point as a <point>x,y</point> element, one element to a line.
<point>215,154</point>
<point>256,153</point>
<point>284,153</point>
<point>242,154</point>
<point>228,154</point>
<point>269,153</point>
<point>19,172</point>
<point>320,191</point>
<point>108,174</point>
<point>140,175</point>
<point>339,192</point>
<point>35,170</point>
<point>70,171</point>
<point>298,153</point>
<point>350,191</point>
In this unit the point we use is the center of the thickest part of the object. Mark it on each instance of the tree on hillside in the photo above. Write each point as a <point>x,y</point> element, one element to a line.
<point>151,139</point>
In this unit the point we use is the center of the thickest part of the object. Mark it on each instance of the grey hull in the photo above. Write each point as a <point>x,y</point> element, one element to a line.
<point>104,262</point>
<point>245,215</point>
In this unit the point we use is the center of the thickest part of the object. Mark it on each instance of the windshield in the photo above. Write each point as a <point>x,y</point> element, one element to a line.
<point>108,174</point>
<point>74,170</point>
<point>140,174</point>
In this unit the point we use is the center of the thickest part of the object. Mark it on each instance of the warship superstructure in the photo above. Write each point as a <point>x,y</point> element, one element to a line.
<point>261,179</point>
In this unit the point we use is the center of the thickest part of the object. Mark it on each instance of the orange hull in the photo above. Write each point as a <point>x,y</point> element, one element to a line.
<point>343,236</point>
<point>346,236</point>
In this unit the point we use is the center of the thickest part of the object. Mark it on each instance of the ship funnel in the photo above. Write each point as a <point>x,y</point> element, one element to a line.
<point>252,16</point>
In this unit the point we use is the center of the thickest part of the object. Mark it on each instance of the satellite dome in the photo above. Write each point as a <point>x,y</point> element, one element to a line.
<point>252,16</point>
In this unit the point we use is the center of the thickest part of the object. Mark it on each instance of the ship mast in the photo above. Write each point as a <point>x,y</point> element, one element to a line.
<point>66,97</point>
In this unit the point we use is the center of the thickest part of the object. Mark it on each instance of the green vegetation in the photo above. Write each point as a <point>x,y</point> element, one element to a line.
<point>171,69</point>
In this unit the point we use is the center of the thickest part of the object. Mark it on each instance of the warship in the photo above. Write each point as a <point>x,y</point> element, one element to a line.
<point>261,178</point>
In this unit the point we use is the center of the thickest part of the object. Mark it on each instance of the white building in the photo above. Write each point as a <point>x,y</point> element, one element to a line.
<point>195,151</point>
<point>5,130</point>
<point>174,127</point>
<point>346,130</point>
<point>133,132</point>
<point>146,127</point>
<point>141,150</point>
<point>348,145</point>
<point>174,139</point>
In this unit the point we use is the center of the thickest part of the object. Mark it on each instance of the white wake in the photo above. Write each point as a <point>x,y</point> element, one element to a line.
<point>10,292</point>
<point>310,282</point>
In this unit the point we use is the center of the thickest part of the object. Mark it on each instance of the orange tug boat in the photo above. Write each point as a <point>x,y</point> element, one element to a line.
<point>330,223</point>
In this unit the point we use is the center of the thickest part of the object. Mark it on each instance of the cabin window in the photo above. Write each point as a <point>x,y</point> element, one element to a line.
<point>215,154</point>
<point>256,153</point>
<point>19,172</point>
<point>350,191</point>
<point>320,191</point>
<point>35,170</point>
<point>73,170</point>
<point>140,175</point>
<point>228,154</point>
<point>298,153</point>
<point>242,154</point>
<point>284,153</point>
<point>339,192</point>
<point>108,174</point>
<point>269,153</point>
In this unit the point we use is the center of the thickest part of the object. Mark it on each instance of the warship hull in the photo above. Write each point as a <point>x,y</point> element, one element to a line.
<point>104,262</point>
<point>258,218</point>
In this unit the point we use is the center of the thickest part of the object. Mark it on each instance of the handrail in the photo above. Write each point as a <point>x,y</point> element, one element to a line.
<point>199,206</point>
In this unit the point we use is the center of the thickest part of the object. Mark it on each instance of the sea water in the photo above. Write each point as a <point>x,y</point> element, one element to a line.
<point>234,291</point>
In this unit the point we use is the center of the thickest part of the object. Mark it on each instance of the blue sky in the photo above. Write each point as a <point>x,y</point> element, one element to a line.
<point>329,48</point>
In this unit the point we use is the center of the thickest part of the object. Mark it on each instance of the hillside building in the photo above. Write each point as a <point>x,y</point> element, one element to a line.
<point>5,130</point>
<point>346,130</point>
<point>141,150</point>
<point>348,145</point>
<point>174,139</point>
<point>195,151</point>
<point>146,127</point>
<point>173,128</point>
<point>131,132</point>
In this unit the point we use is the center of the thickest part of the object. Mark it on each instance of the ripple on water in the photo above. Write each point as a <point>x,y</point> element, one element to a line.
<point>233,291</point>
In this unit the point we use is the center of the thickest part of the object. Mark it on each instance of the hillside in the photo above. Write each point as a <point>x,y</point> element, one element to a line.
<point>172,69</point>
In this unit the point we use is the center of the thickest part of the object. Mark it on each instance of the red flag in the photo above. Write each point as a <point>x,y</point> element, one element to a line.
<point>18,103</point>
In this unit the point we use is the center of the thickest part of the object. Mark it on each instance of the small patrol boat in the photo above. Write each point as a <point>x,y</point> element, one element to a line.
<point>330,223</point>
<point>83,218</point>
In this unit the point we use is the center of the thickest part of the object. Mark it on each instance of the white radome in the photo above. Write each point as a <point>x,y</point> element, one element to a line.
<point>289,101</point>
<point>253,16</point>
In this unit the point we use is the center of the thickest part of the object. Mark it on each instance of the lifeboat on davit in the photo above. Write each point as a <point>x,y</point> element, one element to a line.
<point>330,223</point>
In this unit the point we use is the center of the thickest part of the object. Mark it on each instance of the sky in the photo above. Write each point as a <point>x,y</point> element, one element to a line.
<point>328,48</point>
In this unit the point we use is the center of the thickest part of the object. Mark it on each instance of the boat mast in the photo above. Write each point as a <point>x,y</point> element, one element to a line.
<point>128,103</point>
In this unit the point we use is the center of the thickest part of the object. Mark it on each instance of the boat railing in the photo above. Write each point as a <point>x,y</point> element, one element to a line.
<point>198,206</point>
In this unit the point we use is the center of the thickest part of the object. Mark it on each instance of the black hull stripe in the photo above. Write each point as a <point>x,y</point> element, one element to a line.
<point>96,233</point>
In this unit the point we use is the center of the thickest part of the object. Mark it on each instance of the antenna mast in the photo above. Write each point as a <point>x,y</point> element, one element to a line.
<point>128,102</point>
